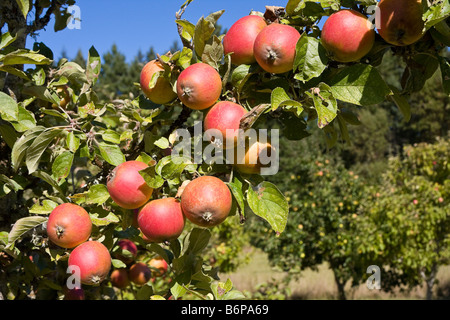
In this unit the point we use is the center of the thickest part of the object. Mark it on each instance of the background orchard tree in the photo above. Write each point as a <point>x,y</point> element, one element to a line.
<point>63,136</point>
<point>410,213</point>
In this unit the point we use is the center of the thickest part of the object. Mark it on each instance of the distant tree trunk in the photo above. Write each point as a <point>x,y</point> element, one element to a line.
<point>340,283</point>
<point>430,279</point>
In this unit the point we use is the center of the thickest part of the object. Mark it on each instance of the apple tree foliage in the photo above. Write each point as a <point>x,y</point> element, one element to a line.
<point>50,154</point>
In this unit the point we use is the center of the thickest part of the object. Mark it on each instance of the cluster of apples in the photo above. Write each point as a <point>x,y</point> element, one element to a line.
<point>137,272</point>
<point>206,201</point>
<point>348,35</point>
<point>69,226</point>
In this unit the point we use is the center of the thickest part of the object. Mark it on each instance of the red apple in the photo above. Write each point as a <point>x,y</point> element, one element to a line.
<point>274,47</point>
<point>347,35</point>
<point>240,39</point>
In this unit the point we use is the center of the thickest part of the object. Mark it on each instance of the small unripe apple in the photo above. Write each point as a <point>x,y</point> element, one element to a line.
<point>199,86</point>
<point>158,264</point>
<point>240,39</point>
<point>140,273</point>
<point>400,21</point>
<point>130,246</point>
<point>119,278</point>
<point>347,35</point>
<point>64,96</point>
<point>161,92</point>
<point>274,47</point>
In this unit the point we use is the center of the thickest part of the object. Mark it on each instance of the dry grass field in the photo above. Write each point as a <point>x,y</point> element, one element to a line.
<point>320,284</point>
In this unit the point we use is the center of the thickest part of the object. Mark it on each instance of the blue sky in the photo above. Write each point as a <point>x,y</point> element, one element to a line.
<point>138,24</point>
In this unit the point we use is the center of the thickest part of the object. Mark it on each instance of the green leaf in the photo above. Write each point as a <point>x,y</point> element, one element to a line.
<point>9,184</point>
<point>38,147</point>
<point>401,102</point>
<point>72,142</point>
<point>46,207</point>
<point>6,39</point>
<point>93,66</point>
<point>152,179</point>
<point>22,226</point>
<point>9,110</point>
<point>185,58</point>
<point>310,58</point>
<point>294,126</point>
<point>100,220</point>
<point>267,202</point>
<point>177,291</point>
<point>97,194</point>
<point>279,98</point>
<point>25,121</point>
<point>213,53</point>
<point>145,292</point>
<point>23,56</point>
<point>204,29</point>
<point>14,71</point>
<point>188,29</point>
<point>111,153</point>
<point>236,190</point>
<point>118,264</point>
<point>8,134</point>
<point>24,6</point>
<point>73,72</point>
<point>324,103</point>
<point>62,165</point>
<point>439,11</point>
<point>111,136</point>
<point>197,241</point>
<point>360,84</point>
<point>49,179</point>
<point>22,145</point>
<point>162,143</point>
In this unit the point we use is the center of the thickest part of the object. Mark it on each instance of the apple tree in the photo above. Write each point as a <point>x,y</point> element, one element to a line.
<point>62,144</point>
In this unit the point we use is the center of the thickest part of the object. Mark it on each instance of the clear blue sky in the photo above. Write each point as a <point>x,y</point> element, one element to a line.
<point>138,24</point>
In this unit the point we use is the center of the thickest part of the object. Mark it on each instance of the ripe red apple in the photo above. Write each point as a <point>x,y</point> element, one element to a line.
<point>161,220</point>
<point>250,163</point>
<point>69,225</point>
<point>347,35</point>
<point>140,273</point>
<point>274,47</point>
<point>400,21</point>
<point>93,260</point>
<point>240,39</point>
<point>119,278</point>
<point>199,86</point>
<point>162,91</point>
<point>223,116</point>
<point>130,246</point>
<point>206,201</point>
<point>158,264</point>
<point>127,187</point>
